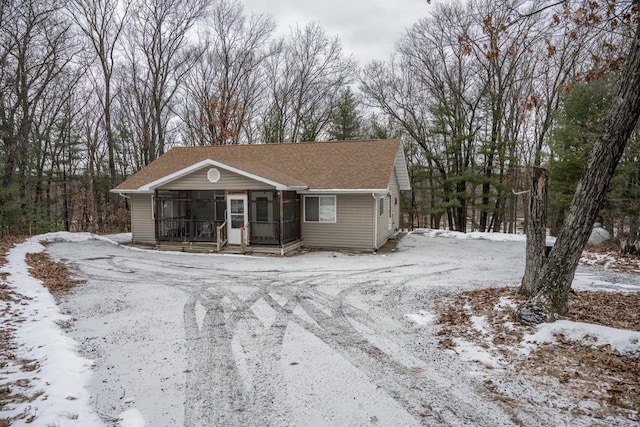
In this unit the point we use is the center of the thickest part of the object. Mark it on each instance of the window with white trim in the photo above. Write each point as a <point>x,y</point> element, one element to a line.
<point>320,208</point>
<point>381,206</point>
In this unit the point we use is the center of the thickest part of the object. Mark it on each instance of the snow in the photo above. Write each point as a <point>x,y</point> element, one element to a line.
<point>470,352</point>
<point>621,340</point>
<point>422,318</point>
<point>132,418</point>
<point>506,302</point>
<point>62,375</point>
<point>324,338</point>
<point>474,235</point>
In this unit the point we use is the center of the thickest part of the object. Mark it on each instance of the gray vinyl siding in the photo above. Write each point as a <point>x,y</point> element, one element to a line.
<point>394,186</point>
<point>383,230</point>
<point>353,228</point>
<point>228,181</point>
<point>142,222</point>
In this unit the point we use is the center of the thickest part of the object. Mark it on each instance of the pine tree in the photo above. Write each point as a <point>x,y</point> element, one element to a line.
<point>578,125</point>
<point>345,120</point>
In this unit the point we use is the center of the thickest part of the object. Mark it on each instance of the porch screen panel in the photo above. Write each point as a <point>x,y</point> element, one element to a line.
<point>291,216</point>
<point>264,217</point>
<point>189,215</point>
<point>205,214</point>
<point>172,214</point>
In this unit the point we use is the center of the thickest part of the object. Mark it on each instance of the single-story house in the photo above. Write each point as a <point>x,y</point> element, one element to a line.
<point>270,197</point>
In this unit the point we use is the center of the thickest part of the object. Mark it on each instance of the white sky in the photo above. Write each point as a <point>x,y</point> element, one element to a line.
<point>368,28</point>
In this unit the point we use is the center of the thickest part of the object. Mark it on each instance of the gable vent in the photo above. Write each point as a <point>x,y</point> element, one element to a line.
<point>213,175</point>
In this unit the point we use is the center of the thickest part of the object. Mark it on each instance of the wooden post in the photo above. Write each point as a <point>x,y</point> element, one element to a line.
<point>281,214</point>
<point>218,237</point>
<point>242,238</point>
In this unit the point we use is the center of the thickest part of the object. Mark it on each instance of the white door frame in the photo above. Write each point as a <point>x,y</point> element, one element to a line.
<point>237,218</point>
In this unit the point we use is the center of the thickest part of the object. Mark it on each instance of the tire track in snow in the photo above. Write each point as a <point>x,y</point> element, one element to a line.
<point>230,334</point>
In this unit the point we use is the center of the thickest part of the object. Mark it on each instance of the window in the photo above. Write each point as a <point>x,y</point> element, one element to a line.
<point>380,206</point>
<point>320,208</point>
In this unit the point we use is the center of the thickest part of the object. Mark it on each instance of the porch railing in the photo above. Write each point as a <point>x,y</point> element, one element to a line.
<point>186,229</point>
<point>265,233</point>
<point>221,235</point>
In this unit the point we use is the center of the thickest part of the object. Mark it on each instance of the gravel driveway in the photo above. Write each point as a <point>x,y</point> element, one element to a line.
<point>317,339</point>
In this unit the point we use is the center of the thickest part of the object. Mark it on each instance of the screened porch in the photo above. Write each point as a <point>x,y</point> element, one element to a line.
<point>266,217</point>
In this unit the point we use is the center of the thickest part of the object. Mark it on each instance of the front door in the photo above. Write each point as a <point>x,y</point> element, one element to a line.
<point>238,217</point>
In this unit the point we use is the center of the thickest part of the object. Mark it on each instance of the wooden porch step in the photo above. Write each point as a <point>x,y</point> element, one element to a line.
<point>203,248</point>
<point>212,248</point>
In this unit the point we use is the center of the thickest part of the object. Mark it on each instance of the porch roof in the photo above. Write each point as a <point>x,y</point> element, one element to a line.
<point>345,165</point>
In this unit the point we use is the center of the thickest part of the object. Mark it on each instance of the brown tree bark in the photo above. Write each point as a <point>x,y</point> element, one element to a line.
<point>554,282</point>
<point>536,230</point>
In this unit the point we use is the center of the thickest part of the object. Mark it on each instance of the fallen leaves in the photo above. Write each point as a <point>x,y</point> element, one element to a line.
<point>613,309</point>
<point>17,391</point>
<point>576,371</point>
<point>55,276</point>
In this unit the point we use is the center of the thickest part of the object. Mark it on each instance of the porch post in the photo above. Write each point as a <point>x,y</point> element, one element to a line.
<point>218,237</point>
<point>280,195</point>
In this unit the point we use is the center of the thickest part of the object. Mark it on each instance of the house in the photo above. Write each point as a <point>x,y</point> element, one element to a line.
<point>270,197</point>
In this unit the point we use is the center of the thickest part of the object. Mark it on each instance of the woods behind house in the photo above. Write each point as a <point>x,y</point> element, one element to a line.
<point>93,90</point>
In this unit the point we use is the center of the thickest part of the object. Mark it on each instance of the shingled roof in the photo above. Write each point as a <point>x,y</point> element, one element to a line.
<point>345,165</point>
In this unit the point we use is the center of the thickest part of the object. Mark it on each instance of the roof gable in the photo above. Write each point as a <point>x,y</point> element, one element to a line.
<point>347,166</point>
<point>203,164</point>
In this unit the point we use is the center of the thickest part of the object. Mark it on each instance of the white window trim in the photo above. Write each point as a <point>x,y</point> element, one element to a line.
<point>381,209</point>
<point>335,206</point>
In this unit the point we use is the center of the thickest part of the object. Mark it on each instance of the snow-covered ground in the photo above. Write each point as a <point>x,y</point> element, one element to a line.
<point>324,338</point>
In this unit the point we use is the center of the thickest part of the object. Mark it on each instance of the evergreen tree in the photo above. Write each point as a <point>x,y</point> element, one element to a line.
<point>578,124</point>
<point>345,120</point>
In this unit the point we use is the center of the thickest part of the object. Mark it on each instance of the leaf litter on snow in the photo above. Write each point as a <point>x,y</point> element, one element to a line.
<point>592,373</point>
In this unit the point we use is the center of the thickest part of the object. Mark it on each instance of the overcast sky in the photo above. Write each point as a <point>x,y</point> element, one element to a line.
<point>368,28</point>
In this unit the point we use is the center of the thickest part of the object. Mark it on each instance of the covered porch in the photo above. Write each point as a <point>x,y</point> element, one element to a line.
<point>215,219</point>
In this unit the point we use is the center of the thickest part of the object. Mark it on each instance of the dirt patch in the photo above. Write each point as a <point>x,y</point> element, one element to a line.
<point>573,370</point>
<point>392,244</point>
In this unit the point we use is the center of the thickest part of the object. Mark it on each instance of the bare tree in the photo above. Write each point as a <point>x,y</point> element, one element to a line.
<point>227,82</point>
<point>553,283</point>
<point>305,80</point>
<point>35,49</point>
<point>102,23</point>
<point>159,57</point>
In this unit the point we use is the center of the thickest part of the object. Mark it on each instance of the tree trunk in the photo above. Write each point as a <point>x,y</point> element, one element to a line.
<point>554,283</point>
<point>461,212</point>
<point>536,229</point>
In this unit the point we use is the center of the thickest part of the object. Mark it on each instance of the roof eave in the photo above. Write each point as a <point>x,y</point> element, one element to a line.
<point>130,191</point>
<point>343,191</point>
